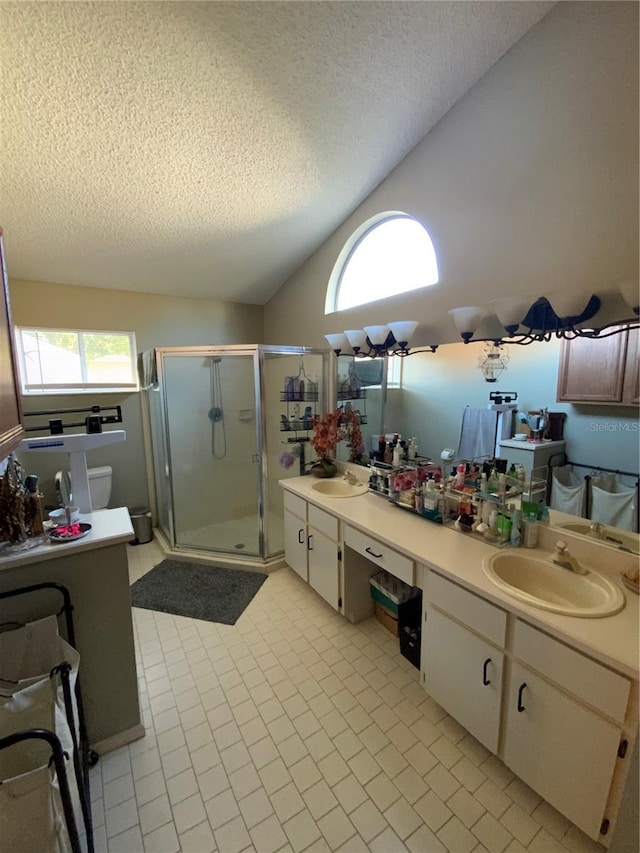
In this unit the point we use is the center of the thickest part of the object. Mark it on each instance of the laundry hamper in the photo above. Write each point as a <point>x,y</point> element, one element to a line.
<point>36,811</point>
<point>38,681</point>
<point>568,491</point>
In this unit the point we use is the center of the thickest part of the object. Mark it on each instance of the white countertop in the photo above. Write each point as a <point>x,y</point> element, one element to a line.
<point>108,527</point>
<point>613,640</point>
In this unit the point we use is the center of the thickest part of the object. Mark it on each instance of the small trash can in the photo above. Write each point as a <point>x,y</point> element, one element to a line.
<point>141,523</point>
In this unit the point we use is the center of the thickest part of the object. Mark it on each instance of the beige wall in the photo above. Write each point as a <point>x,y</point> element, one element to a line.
<point>528,185</point>
<point>157,321</point>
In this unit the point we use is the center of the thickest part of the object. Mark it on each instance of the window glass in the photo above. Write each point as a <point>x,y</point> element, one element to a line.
<point>390,254</point>
<point>76,361</point>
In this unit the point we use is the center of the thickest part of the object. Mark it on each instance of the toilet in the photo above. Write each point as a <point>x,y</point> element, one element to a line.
<point>99,487</point>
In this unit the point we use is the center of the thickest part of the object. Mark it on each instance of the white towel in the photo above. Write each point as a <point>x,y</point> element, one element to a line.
<point>147,371</point>
<point>478,434</point>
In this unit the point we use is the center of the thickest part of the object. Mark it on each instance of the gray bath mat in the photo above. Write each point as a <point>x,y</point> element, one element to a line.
<point>212,593</point>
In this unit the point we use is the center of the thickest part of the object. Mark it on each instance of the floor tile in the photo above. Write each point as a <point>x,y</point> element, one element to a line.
<point>198,839</point>
<point>402,818</point>
<point>455,836</point>
<point>368,820</point>
<point>233,836</point>
<point>336,828</point>
<point>301,831</point>
<point>319,799</point>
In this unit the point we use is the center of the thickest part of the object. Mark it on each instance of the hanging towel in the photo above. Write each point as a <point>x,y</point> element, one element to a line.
<point>611,502</point>
<point>147,371</point>
<point>568,491</point>
<point>478,434</point>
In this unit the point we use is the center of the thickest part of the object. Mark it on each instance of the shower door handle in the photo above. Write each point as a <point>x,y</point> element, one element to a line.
<point>255,458</point>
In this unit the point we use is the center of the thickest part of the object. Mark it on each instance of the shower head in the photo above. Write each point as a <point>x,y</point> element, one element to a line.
<point>211,359</point>
<point>216,359</point>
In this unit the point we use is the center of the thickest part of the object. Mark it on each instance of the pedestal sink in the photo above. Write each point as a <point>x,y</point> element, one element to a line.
<point>339,488</point>
<point>536,580</point>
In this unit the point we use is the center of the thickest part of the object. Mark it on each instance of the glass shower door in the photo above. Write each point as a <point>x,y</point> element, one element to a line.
<point>214,461</point>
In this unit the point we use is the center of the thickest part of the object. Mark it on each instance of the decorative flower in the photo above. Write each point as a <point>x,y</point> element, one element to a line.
<point>326,433</point>
<point>286,459</point>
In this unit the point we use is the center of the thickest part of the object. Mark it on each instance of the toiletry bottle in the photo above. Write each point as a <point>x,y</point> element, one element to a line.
<point>492,483</point>
<point>531,531</point>
<point>543,513</point>
<point>388,454</point>
<point>397,456</point>
<point>483,482</point>
<point>413,448</point>
<point>493,521</point>
<point>459,483</point>
<point>419,500</point>
<point>382,446</point>
<point>502,483</point>
<point>515,529</point>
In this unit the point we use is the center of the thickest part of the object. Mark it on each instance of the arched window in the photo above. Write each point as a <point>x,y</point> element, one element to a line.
<point>389,254</point>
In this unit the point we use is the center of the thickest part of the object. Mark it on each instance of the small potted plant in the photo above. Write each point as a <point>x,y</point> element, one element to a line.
<point>326,435</point>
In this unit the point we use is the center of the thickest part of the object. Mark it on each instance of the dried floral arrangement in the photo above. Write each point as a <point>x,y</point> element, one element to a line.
<point>20,514</point>
<point>339,425</point>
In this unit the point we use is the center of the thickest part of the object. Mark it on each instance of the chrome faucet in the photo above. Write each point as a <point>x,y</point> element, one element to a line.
<point>565,560</point>
<point>350,477</point>
<point>596,530</point>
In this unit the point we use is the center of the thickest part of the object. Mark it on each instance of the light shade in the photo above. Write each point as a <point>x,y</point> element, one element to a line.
<point>337,341</point>
<point>467,319</point>
<point>356,337</point>
<point>568,304</point>
<point>377,334</point>
<point>512,310</point>
<point>402,330</point>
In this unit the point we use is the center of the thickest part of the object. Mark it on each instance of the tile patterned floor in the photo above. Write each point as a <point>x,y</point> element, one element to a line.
<point>294,730</point>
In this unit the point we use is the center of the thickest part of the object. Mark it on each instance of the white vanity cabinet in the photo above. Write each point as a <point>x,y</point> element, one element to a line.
<point>464,663</point>
<point>559,722</point>
<point>295,534</point>
<point>564,721</point>
<point>312,548</point>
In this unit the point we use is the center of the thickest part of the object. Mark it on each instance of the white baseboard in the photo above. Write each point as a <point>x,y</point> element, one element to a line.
<point>121,739</point>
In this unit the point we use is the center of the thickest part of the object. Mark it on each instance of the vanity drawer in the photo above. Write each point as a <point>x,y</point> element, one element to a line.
<point>482,617</point>
<point>590,681</point>
<point>388,559</point>
<point>323,521</point>
<point>296,505</point>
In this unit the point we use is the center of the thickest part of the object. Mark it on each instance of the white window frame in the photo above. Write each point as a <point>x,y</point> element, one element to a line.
<point>85,387</point>
<point>350,248</point>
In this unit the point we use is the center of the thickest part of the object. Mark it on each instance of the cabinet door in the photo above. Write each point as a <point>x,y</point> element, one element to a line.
<point>561,748</point>
<point>324,574</point>
<point>10,408</point>
<point>463,673</point>
<point>631,390</point>
<point>592,370</point>
<point>295,544</point>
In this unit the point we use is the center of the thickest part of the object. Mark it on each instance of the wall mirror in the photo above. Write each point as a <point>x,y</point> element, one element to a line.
<point>431,391</point>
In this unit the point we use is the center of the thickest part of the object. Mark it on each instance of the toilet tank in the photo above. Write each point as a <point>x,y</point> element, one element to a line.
<point>100,486</point>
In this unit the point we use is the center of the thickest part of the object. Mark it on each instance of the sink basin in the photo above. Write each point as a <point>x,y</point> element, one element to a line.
<point>338,488</point>
<point>537,581</point>
<point>608,536</point>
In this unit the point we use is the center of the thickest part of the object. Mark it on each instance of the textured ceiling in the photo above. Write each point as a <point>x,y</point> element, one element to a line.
<point>207,149</point>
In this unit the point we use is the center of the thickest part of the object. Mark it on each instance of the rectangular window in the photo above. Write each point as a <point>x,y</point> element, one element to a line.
<point>71,361</point>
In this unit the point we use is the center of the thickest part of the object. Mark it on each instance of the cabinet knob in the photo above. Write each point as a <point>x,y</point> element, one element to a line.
<point>520,689</point>
<point>485,680</point>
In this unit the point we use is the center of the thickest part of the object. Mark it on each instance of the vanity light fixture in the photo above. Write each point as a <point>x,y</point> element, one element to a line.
<point>376,341</point>
<point>556,316</point>
<point>493,360</point>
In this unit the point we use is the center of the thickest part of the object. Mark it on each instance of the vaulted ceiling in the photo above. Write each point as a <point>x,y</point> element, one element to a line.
<point>207,149</point>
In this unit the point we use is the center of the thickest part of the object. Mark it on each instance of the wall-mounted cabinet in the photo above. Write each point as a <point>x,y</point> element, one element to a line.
<point>10,408</point>
<point>600,370</point>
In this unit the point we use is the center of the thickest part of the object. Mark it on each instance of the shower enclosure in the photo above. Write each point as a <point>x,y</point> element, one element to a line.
<point>220,417</point>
